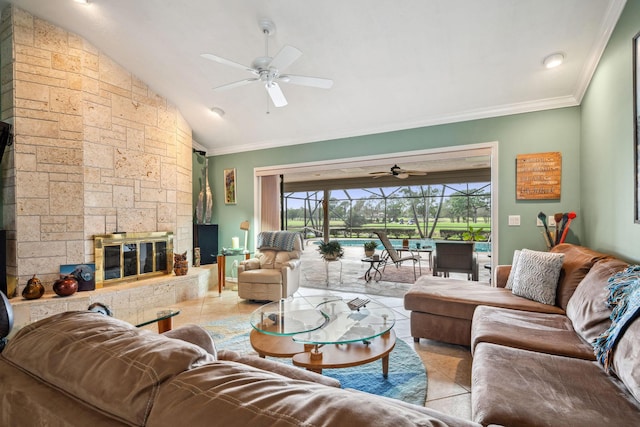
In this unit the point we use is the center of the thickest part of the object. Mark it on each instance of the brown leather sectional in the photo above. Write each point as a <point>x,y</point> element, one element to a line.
<point>87,369</point>
<point>533,364</point>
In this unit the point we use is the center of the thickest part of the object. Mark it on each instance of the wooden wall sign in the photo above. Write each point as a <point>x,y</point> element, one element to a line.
<point>538,176</point>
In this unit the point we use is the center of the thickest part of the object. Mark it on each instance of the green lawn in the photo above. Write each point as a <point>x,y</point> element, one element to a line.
<point>444,229</point>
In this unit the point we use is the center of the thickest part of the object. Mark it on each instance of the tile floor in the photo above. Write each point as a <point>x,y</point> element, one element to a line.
<point>448,366</point>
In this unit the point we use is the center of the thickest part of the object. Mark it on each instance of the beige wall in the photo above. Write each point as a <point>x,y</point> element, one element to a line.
<point>95,151</point>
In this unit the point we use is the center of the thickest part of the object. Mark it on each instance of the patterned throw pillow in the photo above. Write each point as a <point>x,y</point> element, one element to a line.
<point>536,276</point>
<point>512,272</point>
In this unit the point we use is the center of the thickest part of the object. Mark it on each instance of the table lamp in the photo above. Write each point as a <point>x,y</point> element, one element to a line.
<point>244,225</point>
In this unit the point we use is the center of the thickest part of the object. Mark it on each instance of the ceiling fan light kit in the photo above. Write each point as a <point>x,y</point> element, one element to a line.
<point>398,172</point>
<point>267,69</point>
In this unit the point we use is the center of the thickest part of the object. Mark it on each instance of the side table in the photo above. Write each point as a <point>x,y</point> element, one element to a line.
<point>163,317</point>
<point>374,264</point>
<point>222,265</point>
<point>429,251</point>
<point>326,268</point>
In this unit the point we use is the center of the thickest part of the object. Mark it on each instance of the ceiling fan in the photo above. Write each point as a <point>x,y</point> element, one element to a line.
<point>398,172</point>
<point>268,70</point>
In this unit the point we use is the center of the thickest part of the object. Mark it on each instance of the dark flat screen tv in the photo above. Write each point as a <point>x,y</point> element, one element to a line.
<point>6,138</point>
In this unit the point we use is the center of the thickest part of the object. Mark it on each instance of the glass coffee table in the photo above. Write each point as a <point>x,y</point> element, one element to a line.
<point>325,333</point>
<point>275,323</point>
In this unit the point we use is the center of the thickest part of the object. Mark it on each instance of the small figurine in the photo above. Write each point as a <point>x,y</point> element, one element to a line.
<point>180,264</point>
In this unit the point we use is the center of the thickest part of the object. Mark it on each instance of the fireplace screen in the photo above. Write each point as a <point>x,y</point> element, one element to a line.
<point>131,256</point>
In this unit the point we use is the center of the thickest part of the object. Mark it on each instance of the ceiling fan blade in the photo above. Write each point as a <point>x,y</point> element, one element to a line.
<point>276,94</point>
<point>416,173</point>
<point>228,62</point>
<point>236,84</point>
<point>287,56</point>
<point>307,81</point>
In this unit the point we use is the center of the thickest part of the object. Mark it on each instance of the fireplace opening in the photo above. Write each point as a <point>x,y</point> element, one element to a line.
<point>132,256</point>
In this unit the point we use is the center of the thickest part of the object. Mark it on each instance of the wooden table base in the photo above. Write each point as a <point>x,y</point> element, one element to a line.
<point>274,345</point>
<point>347,355</point>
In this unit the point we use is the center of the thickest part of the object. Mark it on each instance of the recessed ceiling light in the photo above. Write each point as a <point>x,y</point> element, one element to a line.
<point>218,111</point>
<point>82,1</point>
<point>553,60</point>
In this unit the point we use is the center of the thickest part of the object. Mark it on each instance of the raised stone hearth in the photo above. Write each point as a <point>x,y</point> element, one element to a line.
<point>128,301</point>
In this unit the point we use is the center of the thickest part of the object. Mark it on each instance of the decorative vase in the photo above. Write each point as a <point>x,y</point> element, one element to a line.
<point>208,206</point>
<point>204,207</point>
<point>370,253</point>
<point>65,286</point>
<point>34,289</point>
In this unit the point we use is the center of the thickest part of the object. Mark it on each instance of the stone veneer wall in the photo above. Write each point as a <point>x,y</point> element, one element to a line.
<point>95,151</point>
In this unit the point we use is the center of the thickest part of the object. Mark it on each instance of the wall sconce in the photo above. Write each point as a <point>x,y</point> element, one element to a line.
<point>244,225</point>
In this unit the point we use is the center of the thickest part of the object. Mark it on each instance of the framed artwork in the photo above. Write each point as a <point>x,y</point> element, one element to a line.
<point>85,274</point>
<point>230,186</point>
<point>636,128</point>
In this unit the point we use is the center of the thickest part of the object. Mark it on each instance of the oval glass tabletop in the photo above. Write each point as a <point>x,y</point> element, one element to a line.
<point>348,324</point>
<point>287,317</point>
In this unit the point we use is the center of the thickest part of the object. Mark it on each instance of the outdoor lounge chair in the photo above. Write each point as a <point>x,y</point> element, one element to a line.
<point>390,255</point>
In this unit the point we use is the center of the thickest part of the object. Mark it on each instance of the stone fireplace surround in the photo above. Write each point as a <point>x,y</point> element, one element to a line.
<point>95,151</point>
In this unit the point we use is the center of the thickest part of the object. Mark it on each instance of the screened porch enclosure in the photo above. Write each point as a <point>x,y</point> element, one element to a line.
<point>451,211</point>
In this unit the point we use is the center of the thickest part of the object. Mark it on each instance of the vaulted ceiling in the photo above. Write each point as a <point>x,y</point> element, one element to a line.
<point>395,65</point>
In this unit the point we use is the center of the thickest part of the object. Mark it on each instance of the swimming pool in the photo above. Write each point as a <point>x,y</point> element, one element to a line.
<point>425,243</point>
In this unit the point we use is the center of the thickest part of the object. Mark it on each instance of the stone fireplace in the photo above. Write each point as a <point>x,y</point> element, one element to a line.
<point>95,151</point>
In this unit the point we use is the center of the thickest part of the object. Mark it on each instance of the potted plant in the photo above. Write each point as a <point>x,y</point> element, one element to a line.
<point>473,234</point>
<point>370,248</point>
<point>330,250</point>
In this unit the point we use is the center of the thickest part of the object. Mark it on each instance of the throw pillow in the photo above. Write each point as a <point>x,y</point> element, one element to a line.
<point>512,272</point>
<point>536,276</point>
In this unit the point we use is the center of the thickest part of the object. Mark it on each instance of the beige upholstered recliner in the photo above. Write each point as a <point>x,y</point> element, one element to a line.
<point>274,273</point>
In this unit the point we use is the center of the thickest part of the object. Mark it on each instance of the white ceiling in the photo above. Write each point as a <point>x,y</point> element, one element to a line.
<point>395,64</point>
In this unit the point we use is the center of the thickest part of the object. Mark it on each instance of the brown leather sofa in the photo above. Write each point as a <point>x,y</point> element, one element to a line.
<point>87,369</point>
<point>533,364</point>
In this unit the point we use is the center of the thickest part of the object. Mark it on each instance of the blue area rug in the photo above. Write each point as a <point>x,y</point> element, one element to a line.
<point>407,378</point>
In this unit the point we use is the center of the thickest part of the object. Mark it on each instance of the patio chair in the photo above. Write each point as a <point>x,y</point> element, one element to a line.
<point>455,257</point>
<point>390,255</point>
